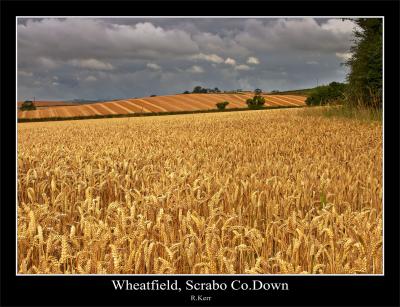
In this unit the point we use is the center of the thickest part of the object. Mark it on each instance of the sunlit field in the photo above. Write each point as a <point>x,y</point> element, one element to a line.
<point>257,192</point>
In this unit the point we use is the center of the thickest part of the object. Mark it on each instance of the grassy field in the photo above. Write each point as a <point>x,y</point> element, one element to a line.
<point>262,192</point>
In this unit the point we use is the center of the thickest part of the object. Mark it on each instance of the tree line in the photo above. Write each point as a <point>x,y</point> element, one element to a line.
<point>363,85</point>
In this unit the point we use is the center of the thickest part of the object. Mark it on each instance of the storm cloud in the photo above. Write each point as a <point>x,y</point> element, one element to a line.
<point>108,58</point>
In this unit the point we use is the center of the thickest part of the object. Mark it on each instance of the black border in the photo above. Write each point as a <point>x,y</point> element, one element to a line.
<point>98,290</point>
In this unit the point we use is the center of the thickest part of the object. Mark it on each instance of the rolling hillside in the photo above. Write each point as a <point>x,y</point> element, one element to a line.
<point>169,103</point>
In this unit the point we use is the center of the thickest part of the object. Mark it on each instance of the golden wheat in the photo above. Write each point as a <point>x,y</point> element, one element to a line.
<point>259,192</point>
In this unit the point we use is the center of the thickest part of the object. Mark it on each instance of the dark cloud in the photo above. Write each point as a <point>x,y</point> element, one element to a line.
<point>130,57</point>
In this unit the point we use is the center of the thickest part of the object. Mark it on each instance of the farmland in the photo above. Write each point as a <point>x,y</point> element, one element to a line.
<point>159,104</point>
<point>256,192</point>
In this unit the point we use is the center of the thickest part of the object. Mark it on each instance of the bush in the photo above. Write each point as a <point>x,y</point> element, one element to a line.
<point>222,105</point>
<point>27,105</point>
<point>256,102</point>
<point>322,95</point>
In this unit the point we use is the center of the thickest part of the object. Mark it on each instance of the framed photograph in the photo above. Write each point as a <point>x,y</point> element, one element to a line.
<point>173,153</point>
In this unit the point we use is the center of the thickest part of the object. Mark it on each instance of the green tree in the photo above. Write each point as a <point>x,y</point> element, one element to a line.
<point>27,105</point>
<point>324,94</point>
<point>257,91</point>
<point>198,89</point>
<point>222,105</point>
<point>365,76</point>
<point>257,102</point>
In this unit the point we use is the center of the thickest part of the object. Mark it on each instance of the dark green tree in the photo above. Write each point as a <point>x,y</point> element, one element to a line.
<point>222,105</point>
<point>198,89</point>
<point>324,94</point>
<point>257,91</point>
<point>365,76</point>
<point>27,105</point>
<point>257,102</point>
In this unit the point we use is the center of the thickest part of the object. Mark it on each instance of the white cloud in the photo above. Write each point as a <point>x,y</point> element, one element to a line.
<point>338,26</point>
<point>92,64</point>
<point>25,73</point>
<point>214,58</point>
<point>196,69</point>
<point>47,63</point>
<point>304,34</point>
<point>230,61</point>
<point>344,56</point>
<point>153,66</point>
<point>253,60</point>
<point>242,67</point>
<point>91,78</point>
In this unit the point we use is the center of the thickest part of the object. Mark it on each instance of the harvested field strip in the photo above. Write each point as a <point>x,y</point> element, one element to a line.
<point>128,106</point>
<point>66,111</point>
<point>80,111</point>
<point>117,108</point>
<point>40,113</point>
<point>211,99</point>
<point>52,112</point>
<point>93,109</point>
<point>197,102</point>
<point>224,97</point>
<point>290,101</point>
<point>142,106</point>
<point>276,101</point>
<point>99,107</point>
<point>151,106</point>
<point>269,102</point>
<point>179,103</point>
<point>297,98</point>
<point>240,101</point>
<point>188,103</point>
<point>30,114</point>
<point>165,105</point>
<point>286,101</point>
<point>106,108</point>
<point>208,101</point>
<point>248,95</point>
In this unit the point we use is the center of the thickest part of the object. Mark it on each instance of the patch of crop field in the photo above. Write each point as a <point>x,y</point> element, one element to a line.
<point>258,192</point>
<point>169,103</point>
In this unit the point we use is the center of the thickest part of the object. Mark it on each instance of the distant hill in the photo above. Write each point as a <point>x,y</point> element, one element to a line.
<point>158,104</point>
<point>50,103</point>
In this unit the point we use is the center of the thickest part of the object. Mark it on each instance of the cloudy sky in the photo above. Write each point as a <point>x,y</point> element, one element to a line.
<point>112,58</point>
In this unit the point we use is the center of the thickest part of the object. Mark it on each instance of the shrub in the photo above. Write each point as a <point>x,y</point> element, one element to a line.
<point>27,105</point>
<point>256,102</point>
<point>322,95</point>
<point>222,105</point>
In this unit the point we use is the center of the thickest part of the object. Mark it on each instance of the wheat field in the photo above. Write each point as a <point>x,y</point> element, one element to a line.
<point>158,104</point>
<point>255,192</point>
